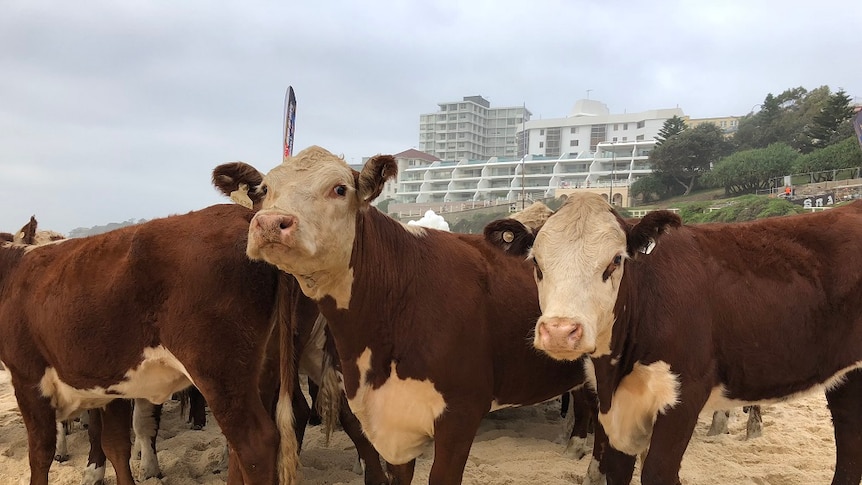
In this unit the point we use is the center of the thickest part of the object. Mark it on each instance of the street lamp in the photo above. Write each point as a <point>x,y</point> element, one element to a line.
<point>613,173</point>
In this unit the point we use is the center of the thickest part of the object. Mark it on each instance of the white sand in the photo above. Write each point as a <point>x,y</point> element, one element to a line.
<point>515,446</point>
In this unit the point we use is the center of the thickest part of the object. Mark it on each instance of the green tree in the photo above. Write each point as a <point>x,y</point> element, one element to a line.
<point>749,170</point>
<point>831,124</point>
<point>655,186</point>
<point>824,162</point>
<point>690,154</point>
<point>672,126</point>
<point>781,119</point>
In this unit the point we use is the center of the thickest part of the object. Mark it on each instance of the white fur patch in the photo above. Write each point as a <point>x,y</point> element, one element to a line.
<point>496,406</point>
<point>399,416</point>
<point>93,475</point>
<point>158,376</point>
<point>418,231</point>
<point>640,396</point>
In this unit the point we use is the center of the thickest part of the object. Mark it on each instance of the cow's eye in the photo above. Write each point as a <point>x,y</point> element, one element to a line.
<point>618,260</point>
<point>539,274</point>
<point>340,190</point>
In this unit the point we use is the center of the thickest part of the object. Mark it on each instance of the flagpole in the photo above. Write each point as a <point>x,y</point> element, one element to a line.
<point>524,156</point>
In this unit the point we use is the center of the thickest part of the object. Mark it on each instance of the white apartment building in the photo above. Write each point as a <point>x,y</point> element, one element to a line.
<point>471,129</point>
<point>590,148</point>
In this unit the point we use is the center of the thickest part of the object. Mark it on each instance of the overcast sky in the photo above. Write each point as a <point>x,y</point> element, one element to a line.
<point>112,110</point>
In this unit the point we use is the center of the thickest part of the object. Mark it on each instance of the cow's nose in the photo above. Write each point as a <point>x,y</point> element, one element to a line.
<point>558,333</point>
<point>275,226</point>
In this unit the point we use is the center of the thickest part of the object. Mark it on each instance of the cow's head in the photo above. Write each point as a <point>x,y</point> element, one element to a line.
<point>579,256</point>
<point>306,224</point>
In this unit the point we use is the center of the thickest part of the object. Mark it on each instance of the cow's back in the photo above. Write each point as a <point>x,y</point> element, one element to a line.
<point>76,305</point>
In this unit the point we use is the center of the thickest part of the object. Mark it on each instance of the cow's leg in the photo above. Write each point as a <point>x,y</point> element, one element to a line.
<point>116,438</point>
<point>61,453</point>
<point>754,426</point>
<point>719,423</point>
<point>608,466</point>
<point>401,474</point>
<point>670,437</point>
<point>197,409</point>
<point>844,404</point>
<point>565,398</point>
<point>40,420</point>
<point>94,474</point>
<point>453,438</point>
<point>374,473</point>
<point>248,428</point>
<point>584,409</point>
<point>145,421</point>
<point>301,414</point>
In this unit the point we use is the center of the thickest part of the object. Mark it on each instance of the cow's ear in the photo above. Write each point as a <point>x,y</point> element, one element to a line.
<point>510,235</point>
<point>643,236</point>
<point>27,234</point>
<point>241,182</point>
<point>534,217</point>
<point>374,175</point>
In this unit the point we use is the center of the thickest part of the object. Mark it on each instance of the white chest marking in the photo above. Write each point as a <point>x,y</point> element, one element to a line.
<point>398,417</point>
<point>158,376</point>
<point>640,396</point>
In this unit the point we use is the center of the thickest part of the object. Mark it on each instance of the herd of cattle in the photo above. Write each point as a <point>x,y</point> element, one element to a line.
<point>413,335</point>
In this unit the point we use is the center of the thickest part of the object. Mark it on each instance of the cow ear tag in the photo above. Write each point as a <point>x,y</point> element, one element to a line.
<point>649,246</point>
<point>240,196</point>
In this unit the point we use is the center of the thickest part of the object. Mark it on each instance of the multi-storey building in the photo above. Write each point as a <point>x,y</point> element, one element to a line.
<point>590,149</point>
<point>471,129</point>
<point>728,124</point>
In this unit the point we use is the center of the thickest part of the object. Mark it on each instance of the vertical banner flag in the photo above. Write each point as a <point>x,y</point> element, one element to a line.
<point>289,120</point>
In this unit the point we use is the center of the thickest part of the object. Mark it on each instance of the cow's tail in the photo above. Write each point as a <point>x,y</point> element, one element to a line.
<point>329,395</point>
<point>288,449</point>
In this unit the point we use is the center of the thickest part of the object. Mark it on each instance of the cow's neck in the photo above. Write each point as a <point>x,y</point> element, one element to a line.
<point>611,369</point>
<point>384,268</point>
<point>10,255</point>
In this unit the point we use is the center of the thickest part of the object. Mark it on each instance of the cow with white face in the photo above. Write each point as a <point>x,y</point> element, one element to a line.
<point>431,327</point>
<point>678,318</point>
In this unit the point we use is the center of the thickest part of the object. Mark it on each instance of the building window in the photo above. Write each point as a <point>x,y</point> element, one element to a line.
<point>541,144</point>
<point>573,143</point>
<point>640,138</point>
<point>616,127</point>
<point>625,126</point>
<point>541,132</point>
<point>641,124</point>
<point>625,138</point>
<point>573,130</point>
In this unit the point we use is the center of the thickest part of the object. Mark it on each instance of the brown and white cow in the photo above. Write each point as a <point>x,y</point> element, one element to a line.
<point>431,327</point>
<point>142,312</point>
<point>682,318</point>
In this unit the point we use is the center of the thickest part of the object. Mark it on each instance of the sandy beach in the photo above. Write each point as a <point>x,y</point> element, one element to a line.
<point>513,446</point>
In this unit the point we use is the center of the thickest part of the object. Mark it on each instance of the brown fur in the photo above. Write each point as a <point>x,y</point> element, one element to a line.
<point>182,282</point>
